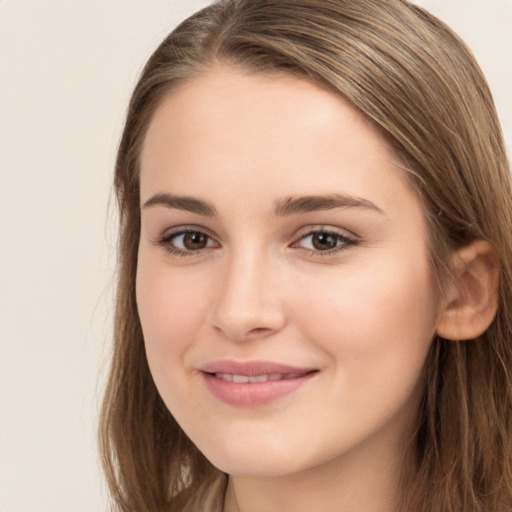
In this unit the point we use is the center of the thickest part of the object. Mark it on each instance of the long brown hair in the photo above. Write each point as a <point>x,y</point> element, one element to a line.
<point>416,81</point>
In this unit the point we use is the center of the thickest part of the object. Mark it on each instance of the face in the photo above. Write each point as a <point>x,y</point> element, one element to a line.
<point>283,281</point>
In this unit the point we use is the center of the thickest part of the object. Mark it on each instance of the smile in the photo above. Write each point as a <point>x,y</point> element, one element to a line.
<point>253,384</point>
<point>244,379</point>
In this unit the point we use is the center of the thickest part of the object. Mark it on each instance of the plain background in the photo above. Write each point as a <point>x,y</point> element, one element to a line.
<point>67,68</point>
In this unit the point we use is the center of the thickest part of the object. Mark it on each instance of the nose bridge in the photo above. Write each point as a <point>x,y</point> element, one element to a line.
<point>248,304</point>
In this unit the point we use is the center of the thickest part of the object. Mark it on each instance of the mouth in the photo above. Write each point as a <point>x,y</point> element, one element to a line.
<point>253,384</point>
<point>251,379</point>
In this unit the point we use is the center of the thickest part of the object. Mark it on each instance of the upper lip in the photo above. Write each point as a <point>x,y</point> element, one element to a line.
<point>252,368</point>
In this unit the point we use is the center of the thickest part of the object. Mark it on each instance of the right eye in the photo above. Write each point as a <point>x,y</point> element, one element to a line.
<point>186,242</point>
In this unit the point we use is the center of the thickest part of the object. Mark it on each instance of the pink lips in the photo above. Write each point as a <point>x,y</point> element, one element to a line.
<point>253,383</point>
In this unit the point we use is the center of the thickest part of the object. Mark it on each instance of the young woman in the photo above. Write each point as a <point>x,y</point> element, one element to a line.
<point>314,300</point>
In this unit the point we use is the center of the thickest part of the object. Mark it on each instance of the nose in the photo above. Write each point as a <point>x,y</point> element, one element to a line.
<point>249,304</point>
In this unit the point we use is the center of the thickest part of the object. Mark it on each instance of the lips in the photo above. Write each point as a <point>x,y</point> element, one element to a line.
<point>244,379</point>
<point>254,383</point>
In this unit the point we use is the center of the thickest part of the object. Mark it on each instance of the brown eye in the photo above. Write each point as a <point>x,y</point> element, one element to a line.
<point>195,240</point>
<point>324,241</point>
<point>187,242</point>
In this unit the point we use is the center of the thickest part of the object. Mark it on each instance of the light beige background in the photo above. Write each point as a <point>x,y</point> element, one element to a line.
<point>66,71</point>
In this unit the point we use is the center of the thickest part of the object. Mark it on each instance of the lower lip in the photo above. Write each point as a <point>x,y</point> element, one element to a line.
<point>252,394</point>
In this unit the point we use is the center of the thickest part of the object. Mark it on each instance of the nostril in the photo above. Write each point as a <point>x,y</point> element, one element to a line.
<point>259,330</point>
<point>240,335</point>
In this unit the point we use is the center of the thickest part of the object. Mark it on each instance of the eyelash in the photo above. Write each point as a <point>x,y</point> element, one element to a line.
<point>345,241</point>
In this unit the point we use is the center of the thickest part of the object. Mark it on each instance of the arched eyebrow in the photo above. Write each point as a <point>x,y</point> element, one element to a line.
<point>305,204</point>
<point>185,203</point>
<point>283,207</point>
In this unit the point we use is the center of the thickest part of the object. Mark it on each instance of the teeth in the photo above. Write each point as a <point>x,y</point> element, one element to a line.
<point>243,379</point>
<point>259,378</point>
<point>240,379</point>
<point>224,376</point>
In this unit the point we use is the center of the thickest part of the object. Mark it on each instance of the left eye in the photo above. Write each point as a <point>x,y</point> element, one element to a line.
<point>324,241</point>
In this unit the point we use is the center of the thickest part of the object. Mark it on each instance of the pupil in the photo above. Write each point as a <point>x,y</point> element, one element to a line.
<point>324,241</point>
<point>195,240</point>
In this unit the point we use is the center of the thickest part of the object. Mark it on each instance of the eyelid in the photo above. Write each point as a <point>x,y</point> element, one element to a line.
<point>186,228</point>
<point>327,228</point>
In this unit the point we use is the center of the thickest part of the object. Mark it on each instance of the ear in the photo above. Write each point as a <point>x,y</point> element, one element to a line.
<point>473,296</point>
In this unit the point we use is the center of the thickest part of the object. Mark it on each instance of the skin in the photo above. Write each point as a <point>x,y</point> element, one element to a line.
<point>361,314</point>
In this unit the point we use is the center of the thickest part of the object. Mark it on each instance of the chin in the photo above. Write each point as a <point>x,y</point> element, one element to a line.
<point>269,459</point>
<point>255,468</point>
<point>255,461</point>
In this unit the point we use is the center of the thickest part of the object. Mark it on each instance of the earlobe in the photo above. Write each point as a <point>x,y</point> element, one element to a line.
<point>473,296</point>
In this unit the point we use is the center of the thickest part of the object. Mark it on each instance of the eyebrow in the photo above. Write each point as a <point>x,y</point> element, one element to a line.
<point>305,204</point>
<point>283,207</point>
<point>185,203</point>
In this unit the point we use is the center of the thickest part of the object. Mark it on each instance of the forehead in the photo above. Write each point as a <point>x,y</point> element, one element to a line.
<point>263,133</point>
<point>247,105</point>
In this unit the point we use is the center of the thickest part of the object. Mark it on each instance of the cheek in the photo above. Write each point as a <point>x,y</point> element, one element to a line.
<point>172,308</point>
<point>373,322</point>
